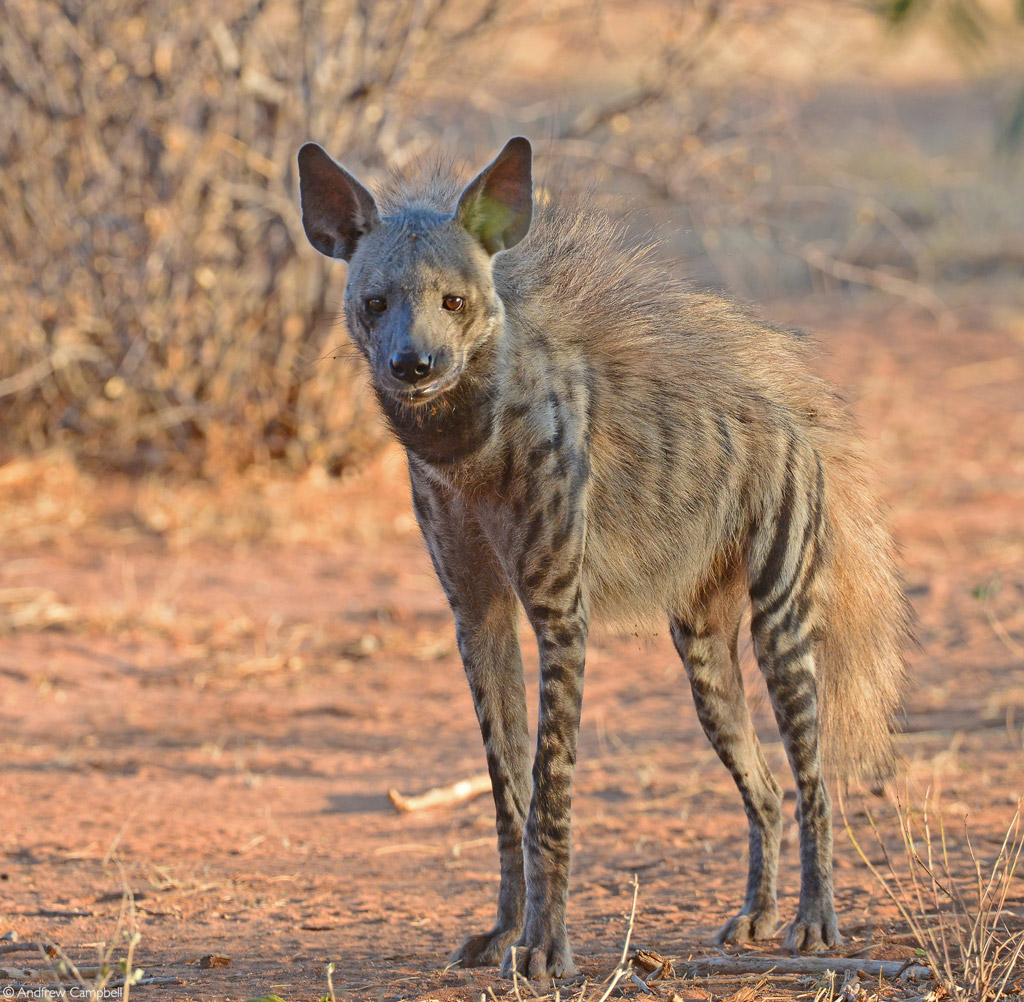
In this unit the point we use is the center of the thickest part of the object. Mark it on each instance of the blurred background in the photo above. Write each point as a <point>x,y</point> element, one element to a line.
<point>221,640</point>
<point>161,310</point>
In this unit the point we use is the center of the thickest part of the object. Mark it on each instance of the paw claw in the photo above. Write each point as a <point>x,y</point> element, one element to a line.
<point>540,963</point>
<point>749,927</point>
<point>483,950</point>
<point>814,935</point>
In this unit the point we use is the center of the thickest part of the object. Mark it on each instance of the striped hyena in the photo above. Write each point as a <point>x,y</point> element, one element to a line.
<point>587,438</point>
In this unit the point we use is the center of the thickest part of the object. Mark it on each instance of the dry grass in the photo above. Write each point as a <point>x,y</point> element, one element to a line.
<point>112,973</point>
<point>50,499</point>
<point>956,911</point>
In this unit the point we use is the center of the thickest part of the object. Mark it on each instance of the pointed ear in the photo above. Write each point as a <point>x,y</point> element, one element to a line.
<point>336,209</point>
<point>497,206</point>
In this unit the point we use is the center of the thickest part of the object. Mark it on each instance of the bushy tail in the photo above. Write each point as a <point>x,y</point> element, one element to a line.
<point>865,626</point>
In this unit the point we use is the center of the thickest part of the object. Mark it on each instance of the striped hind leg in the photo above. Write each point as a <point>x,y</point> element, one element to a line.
<point>783,628</point>
<point>707,645</point>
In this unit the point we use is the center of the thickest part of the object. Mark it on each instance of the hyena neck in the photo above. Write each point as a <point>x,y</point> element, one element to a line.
<point>453,430</point>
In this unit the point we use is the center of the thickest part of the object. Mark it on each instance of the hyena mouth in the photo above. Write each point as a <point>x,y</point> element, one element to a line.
<point>428,391</point>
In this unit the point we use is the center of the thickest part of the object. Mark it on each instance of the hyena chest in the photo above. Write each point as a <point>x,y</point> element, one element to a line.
<point>450,433</point>
<point>563,498</point>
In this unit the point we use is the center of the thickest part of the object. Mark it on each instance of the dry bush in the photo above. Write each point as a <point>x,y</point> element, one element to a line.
<point>156,308</point>
<point>957,913</point>
<point>160,306</point>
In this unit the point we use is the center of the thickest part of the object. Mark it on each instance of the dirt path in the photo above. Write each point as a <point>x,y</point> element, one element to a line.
<point>226,718</point>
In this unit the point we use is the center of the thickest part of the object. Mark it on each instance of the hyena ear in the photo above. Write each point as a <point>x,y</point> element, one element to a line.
<point>497,207</point>
<point>336,209</point>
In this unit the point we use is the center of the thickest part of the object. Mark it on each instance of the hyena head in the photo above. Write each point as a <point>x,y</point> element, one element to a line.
<point>420,301</point>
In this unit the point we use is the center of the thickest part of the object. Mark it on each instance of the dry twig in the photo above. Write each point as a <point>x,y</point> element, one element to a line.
<point>760,964</point>
<point>442,796</point>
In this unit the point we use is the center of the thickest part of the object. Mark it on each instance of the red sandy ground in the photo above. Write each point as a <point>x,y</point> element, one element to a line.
<point>218,689</point>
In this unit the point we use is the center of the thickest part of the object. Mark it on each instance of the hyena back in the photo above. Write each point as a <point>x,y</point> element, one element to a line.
<point>588,439</point>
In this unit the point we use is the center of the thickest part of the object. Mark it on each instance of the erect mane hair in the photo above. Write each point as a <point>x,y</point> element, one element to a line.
<point>430,181</point>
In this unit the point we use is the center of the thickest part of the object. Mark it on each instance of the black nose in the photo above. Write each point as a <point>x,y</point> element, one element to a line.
<point>411,366</point>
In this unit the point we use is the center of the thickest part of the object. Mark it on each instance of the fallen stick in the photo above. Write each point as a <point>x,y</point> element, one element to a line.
<point>913,970</point>
<point>24,973</point>
<point>147,980</point>
<point>732,979</point>
<point>54,976</point>
<point>49,973</point>
<point>640,983</point>
<point>442,796</point>
<point>18,946</point>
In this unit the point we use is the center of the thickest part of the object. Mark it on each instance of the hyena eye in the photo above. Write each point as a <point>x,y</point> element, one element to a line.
<point>453,303</point>
<point>376,304</point>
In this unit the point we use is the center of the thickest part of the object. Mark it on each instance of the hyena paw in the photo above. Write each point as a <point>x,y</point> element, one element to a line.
<point>541,961</point>
<point>749,927</point>
<point>484,950</point>
<point>814,929</point>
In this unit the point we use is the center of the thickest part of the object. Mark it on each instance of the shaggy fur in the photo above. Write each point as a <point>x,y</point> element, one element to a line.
<point>610,445</point>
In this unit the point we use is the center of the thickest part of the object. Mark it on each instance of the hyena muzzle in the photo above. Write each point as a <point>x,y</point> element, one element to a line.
<point>586,437</point>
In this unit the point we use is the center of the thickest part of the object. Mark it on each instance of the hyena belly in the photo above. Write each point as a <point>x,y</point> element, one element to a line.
<point>667,508</point>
